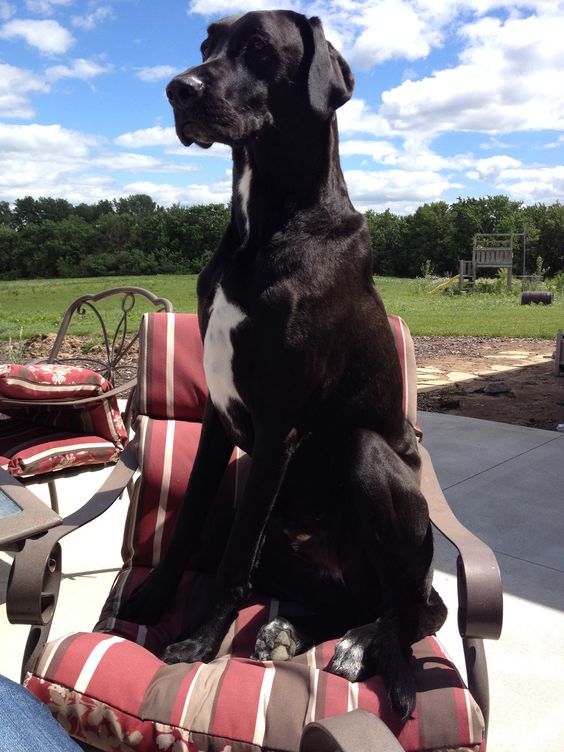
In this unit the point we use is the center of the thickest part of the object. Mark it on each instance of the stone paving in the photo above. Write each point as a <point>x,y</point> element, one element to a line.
<point>431,377</point>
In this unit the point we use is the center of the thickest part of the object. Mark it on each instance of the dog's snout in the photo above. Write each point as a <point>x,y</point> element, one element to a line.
<point>182,89</point>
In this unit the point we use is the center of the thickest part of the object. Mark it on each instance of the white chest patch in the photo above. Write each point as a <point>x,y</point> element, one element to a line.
<point>225,317</point>
<point>244,189</point>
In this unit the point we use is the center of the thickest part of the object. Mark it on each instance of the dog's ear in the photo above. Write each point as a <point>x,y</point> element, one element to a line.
<point>330,80</point>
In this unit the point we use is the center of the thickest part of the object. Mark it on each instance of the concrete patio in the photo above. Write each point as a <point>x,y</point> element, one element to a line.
<point>505,483</point>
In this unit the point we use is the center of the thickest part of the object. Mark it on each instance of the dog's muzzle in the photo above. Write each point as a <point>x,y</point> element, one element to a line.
<point>182,93</point>
<point>182,90</point>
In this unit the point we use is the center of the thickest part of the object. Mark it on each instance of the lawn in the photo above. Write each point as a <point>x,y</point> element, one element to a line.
<point>29,307</point>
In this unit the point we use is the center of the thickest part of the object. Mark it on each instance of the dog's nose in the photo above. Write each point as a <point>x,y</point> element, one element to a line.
<point>182,89</point>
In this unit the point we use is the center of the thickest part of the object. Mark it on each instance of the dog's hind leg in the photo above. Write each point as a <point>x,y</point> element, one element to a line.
<point>396,548</point>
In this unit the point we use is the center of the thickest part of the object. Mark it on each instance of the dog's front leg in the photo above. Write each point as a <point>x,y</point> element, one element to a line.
<point>233,582</point>
<point>147,603</point>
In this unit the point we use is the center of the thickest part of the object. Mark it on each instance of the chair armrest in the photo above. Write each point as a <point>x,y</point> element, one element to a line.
<point>356,731</point>
<point>33,586</point>
<point>480,594</point>
<point>70,402</point>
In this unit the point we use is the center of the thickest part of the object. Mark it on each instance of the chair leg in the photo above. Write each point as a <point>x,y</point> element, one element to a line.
<point>36,641</point>
<point>53,496</point>
<point>477,673</point>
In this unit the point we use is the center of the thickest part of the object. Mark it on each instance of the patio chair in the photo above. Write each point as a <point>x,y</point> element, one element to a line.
<point>61,412</point>
<point>110,689</point>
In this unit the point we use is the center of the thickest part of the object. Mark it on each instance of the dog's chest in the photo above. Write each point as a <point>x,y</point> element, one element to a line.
<point>224,319</point>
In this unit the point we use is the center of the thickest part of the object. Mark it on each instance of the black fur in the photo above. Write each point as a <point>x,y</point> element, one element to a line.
<point>332,495</point>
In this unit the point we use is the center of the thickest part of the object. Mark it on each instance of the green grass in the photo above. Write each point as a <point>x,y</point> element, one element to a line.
<point>471,314</point>
<point>37,306</point>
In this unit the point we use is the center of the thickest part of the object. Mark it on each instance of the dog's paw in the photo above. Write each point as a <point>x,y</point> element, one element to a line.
<point>276,641</point>
<point>375,649</point>
<point>191,650</point>
<point>349,657</point>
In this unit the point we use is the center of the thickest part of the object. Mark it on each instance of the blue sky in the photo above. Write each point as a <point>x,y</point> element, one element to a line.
<point>453,98</point>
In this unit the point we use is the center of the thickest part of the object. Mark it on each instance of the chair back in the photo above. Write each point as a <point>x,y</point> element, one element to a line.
<point>170,404</point>
<point>169,408</point>
<point>117,311</point>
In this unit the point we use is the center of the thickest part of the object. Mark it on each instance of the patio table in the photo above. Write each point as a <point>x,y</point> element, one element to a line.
<point>22,514</point>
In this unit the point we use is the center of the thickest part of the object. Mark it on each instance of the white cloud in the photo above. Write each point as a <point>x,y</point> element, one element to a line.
<point>379,151</point>
<point>45,7</point>
<point>166,194</point>
<point>16,84</point>
<point>78,68</point>
<point>156,73</point>
<point>533,184</point>
<point>554,144</point>
<point>356,117</point>
<point>510,77</point>
<point>229,7</point>
<point>400,189</point>
<point>44,160</point>
<point>140,163</point>
<point>6,10</point>
<point>48,36</point>
<point>55,161</point>
<point>391,29</point>
<point>41,142</point>
<point>492,167</point>
<point>528,183</point>
<point>156,136</point>
<point>91,20</point>
<point>167,138</point>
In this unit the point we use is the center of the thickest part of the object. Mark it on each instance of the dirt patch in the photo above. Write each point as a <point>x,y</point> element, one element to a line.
<point>507,380</point>
<point>89,352</point>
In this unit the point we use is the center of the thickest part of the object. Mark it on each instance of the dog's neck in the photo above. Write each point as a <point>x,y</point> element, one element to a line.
<point>283,173</point>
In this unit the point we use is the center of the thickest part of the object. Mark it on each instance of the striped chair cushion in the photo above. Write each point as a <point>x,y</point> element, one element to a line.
<point>109,688</point>
<point>28,449</point>
<point>170,346</point>
<point>114,693</point>
<point>51,381</point>
<point>46,381</point>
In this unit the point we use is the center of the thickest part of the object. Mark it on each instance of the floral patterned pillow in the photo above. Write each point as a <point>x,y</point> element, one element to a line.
<point>52,381</point>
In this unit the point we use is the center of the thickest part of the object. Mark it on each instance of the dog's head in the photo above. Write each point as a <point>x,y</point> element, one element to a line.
<point>258,69</point>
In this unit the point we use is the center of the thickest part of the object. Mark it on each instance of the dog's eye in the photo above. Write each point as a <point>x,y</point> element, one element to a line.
<point>204,50</point>
<point>257,44</point>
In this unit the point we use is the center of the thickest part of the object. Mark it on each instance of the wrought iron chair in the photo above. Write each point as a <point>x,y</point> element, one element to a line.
<point>110,689</point>
<point>61,412</point>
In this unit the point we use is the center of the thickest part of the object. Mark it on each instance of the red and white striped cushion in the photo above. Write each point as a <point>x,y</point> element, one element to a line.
<point>109,691</point>
<point>109,688</point>
<point>170,346</point>
<point>406,353</point>
<point>51,381</point>
<point>29,449</point>
<point>46,381</point>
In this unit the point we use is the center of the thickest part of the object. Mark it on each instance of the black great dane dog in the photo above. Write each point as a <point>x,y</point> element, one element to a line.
<point>302,372</point>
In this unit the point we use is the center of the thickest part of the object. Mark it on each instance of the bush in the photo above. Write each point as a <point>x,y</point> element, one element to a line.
<point>556,283</point>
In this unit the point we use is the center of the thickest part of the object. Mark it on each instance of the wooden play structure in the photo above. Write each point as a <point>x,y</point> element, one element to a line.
<point>492,250</point>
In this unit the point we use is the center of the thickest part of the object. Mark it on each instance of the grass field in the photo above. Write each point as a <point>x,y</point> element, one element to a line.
<point>30,307</point>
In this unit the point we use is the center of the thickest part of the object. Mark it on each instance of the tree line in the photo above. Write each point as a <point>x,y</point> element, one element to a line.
<point>49,237</point>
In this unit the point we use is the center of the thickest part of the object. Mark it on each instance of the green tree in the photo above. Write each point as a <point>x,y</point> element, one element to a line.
<point>5,213</point>
<point>430,236</point>
<point>136,204</point>
<point>387,231</point>
<point>9,266</point>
